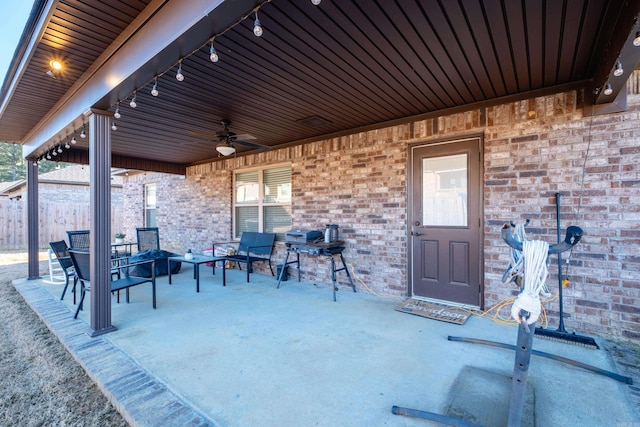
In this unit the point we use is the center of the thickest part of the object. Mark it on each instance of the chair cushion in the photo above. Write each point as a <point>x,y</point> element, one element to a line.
<point>160,256</point>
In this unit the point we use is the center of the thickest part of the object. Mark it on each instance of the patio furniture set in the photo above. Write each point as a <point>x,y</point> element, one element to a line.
<point>149,261</point>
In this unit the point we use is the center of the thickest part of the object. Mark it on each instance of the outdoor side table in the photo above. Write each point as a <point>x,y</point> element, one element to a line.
<point>196,261</point>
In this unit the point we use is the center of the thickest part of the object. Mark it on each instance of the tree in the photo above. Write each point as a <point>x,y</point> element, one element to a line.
<point>13,165</point>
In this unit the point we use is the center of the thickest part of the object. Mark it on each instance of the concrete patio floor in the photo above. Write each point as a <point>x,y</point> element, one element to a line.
<point>249,354</point>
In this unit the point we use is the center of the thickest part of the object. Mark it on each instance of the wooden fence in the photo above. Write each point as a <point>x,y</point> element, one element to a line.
<point>55,219</point>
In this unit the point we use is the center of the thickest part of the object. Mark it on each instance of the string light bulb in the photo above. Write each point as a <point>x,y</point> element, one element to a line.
<point>133,103</point>
<point>618,70</point>
<point>154,91</point>
<point>257,28</point>
<point>213,55</point>
<point>315,2</point>
<point>179,75</point>
<point>66,144</point>
<point>54,152</point>
<point>114,126</point>
<point>83,134</point>
<point>117,114</point>
<point>636,39</point>
<point>73,138</point>
<point>48,155</point>
<point>59,149</point>
<point>607,89</point>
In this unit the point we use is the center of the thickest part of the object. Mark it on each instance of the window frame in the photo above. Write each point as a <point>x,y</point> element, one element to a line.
<point>146,206</point>
<point>260,203</point>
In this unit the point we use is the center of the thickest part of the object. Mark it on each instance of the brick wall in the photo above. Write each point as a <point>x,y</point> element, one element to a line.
<point>533,149</point>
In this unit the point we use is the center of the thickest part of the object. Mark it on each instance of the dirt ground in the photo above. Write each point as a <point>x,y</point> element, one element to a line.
<point>40,383</point>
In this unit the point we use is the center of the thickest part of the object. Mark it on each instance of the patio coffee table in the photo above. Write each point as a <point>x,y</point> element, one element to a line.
<point>196,261</point>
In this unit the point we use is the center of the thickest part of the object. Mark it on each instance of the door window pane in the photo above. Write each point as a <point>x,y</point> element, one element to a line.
<point>444,191</point>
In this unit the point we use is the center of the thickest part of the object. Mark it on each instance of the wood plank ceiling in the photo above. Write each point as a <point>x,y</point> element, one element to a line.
<point>320,70</point>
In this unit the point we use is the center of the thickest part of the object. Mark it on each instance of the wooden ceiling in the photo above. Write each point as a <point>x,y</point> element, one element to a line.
<point>318,70</point>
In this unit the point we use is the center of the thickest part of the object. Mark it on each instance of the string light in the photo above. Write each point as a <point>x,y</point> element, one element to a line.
<point>636,39</point>
<point>607,89</point>
<point>114,126</point>
<point>179,75</point>
<point>66,144</point>
<point>315,2</point>
<point>73,138</point>
<point>117,114</point>
<point>257,28</point>
<point>618,71</point>
<point>83,134</point>
<point>133,103</point>
<point>213,55</point>
<point>154,91</point>
<point>59,149</point>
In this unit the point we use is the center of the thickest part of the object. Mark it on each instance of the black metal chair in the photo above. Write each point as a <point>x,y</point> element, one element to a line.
<point>81,263</point>
<point>79,240</point>
<point>61,251</point>
<point>253,247</point>
<point>148,238</point>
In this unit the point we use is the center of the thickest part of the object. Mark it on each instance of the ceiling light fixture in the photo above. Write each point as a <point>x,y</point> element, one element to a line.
<point>225,150</point>
<point>213,55</point>
<point>55,67</point>
<point>315,2</point>
<point>133,103</point>
<point>179,75</point>
<point>154,91</point>
<point>257,28</point>
<point>618,70</point>
<point>607,89</point>
<point>636,39</point>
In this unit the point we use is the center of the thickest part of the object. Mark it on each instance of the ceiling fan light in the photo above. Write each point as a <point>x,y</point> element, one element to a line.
<point>225,150</point>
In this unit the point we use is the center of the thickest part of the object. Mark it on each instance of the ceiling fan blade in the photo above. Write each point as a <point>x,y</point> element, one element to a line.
<point>252,144</point>
<point>243,137</point>
<point>203,134</point>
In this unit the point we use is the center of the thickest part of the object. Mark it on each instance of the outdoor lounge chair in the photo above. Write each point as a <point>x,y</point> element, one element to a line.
<point>61,250</point>
<point>81,263</point>
<point>253,247</point>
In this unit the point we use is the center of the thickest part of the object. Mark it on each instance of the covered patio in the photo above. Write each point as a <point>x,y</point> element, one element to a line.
<point>221,357</point>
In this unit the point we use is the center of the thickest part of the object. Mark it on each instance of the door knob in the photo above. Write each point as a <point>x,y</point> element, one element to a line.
<point>415,233</point>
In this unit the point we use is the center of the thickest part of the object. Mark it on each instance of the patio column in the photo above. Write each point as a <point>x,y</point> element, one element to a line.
<point>100,212</point>
<point>33,226</point>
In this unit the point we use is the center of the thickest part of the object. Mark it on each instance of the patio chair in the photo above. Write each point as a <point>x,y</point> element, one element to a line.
<point>79,240</point>
<point>148,238</point>
<point>253,247</point>
<point>61,250</point>
<point>81,263</point>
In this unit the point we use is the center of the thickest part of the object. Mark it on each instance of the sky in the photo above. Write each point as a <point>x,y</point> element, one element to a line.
<point>14,17</point>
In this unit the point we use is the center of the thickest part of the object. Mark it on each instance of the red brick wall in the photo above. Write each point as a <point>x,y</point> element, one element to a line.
<point>533,149</point>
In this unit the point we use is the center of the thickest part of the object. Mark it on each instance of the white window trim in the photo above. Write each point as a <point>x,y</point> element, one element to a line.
<point>260,204</point>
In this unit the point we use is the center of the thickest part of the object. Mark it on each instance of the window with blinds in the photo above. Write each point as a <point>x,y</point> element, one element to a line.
<point>262,201</point>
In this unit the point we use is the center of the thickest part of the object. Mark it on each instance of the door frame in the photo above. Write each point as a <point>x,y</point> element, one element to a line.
<point>410,186</point>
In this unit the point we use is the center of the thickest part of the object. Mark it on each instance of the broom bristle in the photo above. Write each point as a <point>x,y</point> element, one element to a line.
<point>569,338</point>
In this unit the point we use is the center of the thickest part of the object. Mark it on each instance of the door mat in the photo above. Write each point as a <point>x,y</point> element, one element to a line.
<point>432,310</point>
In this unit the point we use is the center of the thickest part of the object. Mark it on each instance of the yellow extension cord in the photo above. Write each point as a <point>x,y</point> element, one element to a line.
<point>497,309</point>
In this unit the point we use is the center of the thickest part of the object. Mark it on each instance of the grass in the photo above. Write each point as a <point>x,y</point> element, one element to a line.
<point>40,383</point>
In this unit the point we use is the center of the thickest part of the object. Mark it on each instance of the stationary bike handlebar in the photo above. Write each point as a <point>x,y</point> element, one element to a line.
<point>574,234</point>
